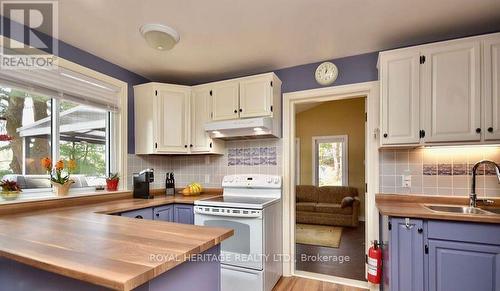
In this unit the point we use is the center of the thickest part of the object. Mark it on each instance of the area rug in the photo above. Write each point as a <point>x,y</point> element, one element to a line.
<point>318,235</point>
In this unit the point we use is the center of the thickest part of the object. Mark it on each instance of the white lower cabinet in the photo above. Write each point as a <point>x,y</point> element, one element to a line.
<point>451,95</point>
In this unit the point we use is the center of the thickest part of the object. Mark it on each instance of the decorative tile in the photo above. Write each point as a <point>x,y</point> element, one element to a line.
<point>430,170</point>
<point>459,169</point>
<point>444,169</point>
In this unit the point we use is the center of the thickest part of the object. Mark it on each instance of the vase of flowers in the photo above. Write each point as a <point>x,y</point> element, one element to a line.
<point>10,190</point>
<point>112,182</point>
<point>60,175</point>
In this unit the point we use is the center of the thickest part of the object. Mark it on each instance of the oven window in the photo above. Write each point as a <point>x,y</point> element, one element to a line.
<point>240,242</point>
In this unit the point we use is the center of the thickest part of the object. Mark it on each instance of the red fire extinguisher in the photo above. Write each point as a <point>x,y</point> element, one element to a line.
<point>374,262</point>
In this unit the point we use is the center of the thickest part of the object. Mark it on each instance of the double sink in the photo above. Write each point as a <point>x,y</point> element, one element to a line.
<point>462,209</point>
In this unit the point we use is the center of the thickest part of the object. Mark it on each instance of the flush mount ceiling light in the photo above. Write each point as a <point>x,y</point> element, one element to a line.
<point>160,37</point>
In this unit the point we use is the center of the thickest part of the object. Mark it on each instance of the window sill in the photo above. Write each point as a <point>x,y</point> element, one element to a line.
<point>40,196</point>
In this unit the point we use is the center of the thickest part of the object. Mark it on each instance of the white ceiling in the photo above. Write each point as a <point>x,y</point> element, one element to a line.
<point>224,38</point>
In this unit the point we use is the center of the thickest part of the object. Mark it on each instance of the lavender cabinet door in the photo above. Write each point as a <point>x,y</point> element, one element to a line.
<point>164,213</point>
<point>183,214</point>
<point>406,255</point>
<point>458,266</point>
<point>146,213</point>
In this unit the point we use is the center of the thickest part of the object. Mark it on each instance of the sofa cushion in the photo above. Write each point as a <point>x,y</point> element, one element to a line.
<point>305,206</point>
<point>335,194</point>
<point>306,193</point>
<point>332,208</point>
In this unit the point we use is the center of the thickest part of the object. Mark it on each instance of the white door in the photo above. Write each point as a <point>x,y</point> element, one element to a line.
<point>491,107</point>
<point>451,92</point>
<point>256,97</point>
<point>201,109</point>
<point>399,75</point>
<point>172,119</point>
<point>225,101</point>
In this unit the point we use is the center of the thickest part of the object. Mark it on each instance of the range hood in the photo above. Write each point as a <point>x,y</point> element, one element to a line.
<point>259,127</point>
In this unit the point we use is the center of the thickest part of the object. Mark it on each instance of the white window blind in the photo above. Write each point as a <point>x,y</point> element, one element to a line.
<point>64,84</point>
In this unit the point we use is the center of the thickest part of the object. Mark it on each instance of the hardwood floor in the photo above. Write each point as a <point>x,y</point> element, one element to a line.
<point>303,284</point>
<point>352,244</point>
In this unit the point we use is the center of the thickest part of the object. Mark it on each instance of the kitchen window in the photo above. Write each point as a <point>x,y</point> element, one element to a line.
<point>77,118</point>
<point>330,165</point>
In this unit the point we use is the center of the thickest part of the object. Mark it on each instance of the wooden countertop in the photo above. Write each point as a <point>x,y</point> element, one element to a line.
<point>81,242</point>
<point>413,206</point>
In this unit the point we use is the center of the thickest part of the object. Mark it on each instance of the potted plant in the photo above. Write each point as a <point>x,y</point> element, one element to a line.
<point>60,175</point>
<point>10,190</point>
<point>112,182</point>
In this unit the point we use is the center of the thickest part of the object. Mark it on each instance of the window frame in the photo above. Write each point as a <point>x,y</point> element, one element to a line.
<point>118,135</point>
<point>316,140</point>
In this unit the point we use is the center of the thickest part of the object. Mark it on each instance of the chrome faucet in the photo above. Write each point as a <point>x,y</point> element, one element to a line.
<point>473,197</point>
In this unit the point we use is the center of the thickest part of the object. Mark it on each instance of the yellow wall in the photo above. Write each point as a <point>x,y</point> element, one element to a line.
<point>343,117</point>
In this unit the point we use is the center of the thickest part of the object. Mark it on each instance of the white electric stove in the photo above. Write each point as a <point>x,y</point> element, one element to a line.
<point>251,205</point>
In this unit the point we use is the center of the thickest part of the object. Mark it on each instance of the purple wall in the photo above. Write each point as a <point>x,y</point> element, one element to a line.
<point>354,69</point>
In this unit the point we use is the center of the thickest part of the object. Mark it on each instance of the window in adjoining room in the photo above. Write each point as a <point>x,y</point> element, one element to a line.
<point>330,166</point>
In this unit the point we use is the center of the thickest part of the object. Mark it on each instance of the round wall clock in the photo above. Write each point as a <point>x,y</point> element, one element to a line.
<point>326,73</point>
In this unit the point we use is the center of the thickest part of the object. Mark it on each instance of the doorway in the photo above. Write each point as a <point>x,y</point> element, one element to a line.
<point>329,201</point>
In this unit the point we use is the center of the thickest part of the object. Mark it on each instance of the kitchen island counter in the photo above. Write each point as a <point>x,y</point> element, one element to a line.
<point>84,243</point>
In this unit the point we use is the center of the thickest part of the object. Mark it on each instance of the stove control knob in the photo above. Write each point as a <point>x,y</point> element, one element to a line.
<point>269,180</point>
<point>276,180</point>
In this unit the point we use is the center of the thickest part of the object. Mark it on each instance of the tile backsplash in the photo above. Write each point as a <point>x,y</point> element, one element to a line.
<point>260,156</point>
<point>439,170</point>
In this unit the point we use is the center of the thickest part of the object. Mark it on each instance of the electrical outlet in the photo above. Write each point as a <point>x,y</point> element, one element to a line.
<point>406,179</point>
<point>207,178</point>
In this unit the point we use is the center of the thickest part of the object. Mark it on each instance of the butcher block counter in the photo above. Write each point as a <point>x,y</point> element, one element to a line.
<point>86,243</point>
<point>403,205</point>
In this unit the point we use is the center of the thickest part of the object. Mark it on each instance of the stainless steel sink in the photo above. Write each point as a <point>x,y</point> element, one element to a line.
<point>457,209</point>
<point>493,210</point>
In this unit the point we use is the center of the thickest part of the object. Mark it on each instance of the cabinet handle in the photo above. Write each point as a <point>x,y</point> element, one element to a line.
<point>235,111</point>
<point>478,130</point>
<point>190,145</point>
<point>420,230</point>
<point>241,110</point>
<point>157,214</point>
<point>386,135</point>
<point>185,145</point>
<point>490,129</point>
<point>139,217</point>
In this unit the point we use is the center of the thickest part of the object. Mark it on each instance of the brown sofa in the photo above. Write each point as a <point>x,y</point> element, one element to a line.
<point>322,205</point>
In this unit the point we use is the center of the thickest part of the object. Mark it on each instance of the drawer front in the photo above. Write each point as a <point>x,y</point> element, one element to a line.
<point>464,231</point>
<point>146,213</point>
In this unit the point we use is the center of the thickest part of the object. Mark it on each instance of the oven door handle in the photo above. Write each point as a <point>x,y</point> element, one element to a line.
<point>237,215</point>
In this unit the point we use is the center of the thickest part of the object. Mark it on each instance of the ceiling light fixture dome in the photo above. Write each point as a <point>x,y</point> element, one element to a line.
<point>160,37</point>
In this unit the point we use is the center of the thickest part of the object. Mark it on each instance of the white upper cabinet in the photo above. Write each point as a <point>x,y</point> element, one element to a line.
<point>171,119</point>
<point>256,97</point>
<point>225,100</point>
<point>201,109</point>
<point>451,92</point>
<point>491,59</point>
<point>399,75</point>
<point>253,96</point>
<point>172,115</point>
<point>441,93</point>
